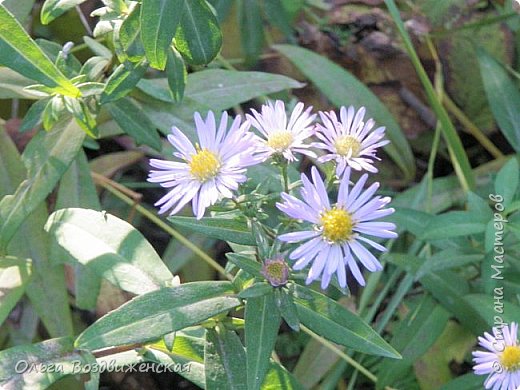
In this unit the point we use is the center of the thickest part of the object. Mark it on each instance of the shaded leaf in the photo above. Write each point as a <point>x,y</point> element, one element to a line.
<point>152,315</point>
<point>110,247</point>
<point>46,158</point>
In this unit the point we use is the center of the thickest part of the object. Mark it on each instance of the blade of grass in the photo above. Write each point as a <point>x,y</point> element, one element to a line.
<point>459,158</point>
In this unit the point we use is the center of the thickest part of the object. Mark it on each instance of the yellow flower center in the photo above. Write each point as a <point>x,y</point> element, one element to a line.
<point>337,225</point>
<point>204,164</point>
<point>280,140</point>
<point>510,358</point>
<point>346,143</point>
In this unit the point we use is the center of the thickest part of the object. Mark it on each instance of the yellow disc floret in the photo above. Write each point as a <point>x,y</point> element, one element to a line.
<point>346,143</point>
<point>510,358</point>
<point>204,164</point>
<point>337,225</point>
<point>280,140</point>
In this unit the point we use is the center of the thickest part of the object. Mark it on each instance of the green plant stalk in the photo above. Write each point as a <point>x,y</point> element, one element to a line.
<point>471,127</point>
<point>459,158</point>
<point>340,353</point>
<point>163,225</point>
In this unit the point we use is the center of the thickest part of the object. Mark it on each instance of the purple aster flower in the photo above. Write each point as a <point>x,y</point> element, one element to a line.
<point>339,232</point>
<point>210,170</point>
<point>349,141</point>
<point>280,137</point>
<point>501,361</point>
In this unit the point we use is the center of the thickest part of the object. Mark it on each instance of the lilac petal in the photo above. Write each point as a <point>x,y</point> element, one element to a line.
<point>356,190</point>
<point>356,272</point>
<point>320,187</point>
<point>318,265</point>
<point>365,257</point>
<point>298,236</point>
<point>308,246</point>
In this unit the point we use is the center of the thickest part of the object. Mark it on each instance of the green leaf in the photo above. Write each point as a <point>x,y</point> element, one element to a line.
<point>57,352</point>
<point>262,323</point>
<point>128,116</point>
<point>46,158</point>
<point>449,289</point>
<point>154,314</point>
<point>224,360</point>
<point>230,230</point>
<point>486,306</point>
<point>14,275</point>
<point>413,337</point>
<point>127,38</point>
<point>111,247</point>
<point>98,48</point>
<point>331,320</point>
<point>22,54</point>
<point>287,309</point>
<point>453,224</point>
<point>33,115</point>
<point>12,85</point>
<point>256,290</point>
<point>245,262</point>
<point>46,289</point>
<point>78,190</point>
<point>51,9</point>
<point>506,182</point>
<point>343,89</point>
<point>198,37</point>
<point>503,96</point>
<point>176,73</point>
<point>251,29</point>
<point>123,80</point>
<point>220,89</point>
<point>279,378</point>
<point>159,21</point>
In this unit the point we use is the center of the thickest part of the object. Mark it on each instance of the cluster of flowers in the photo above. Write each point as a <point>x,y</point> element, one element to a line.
<point>215,167</point>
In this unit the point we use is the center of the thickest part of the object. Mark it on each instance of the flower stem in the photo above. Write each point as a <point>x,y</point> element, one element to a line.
<point>285,176</point>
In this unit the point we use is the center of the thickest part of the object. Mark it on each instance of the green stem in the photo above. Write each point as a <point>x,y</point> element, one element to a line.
<point>471,127</point>
<point>285,176</point>
<point>159,222</point>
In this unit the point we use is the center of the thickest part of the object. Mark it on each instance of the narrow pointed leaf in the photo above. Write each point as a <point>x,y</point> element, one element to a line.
<point>223,229</point>
<point>123,80</point>
<point>224,360</point>
<point>331,320</point>
<point>51,9</point>
<point>503,96</point>
<point>262,323</point>
<point>129,117</point>
<point>176,73</point>
<point>46,158</point>
<point>23,55</point>
<point>150,316</point>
